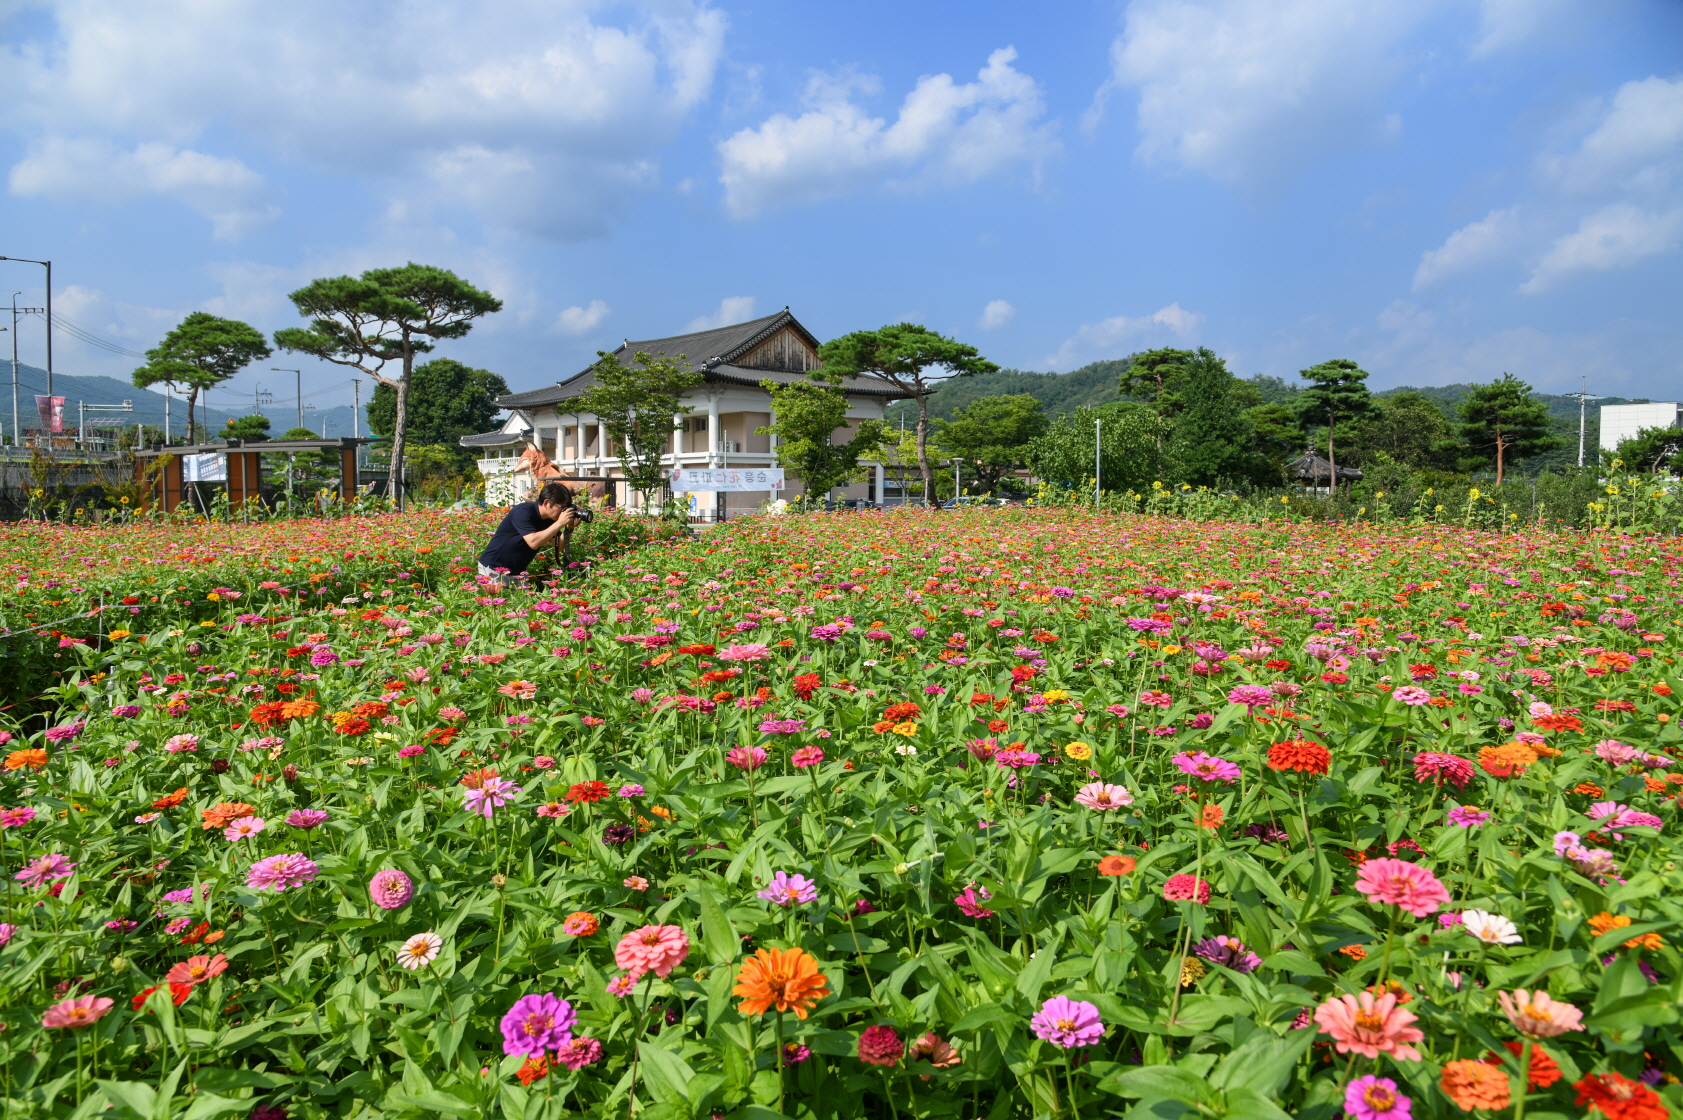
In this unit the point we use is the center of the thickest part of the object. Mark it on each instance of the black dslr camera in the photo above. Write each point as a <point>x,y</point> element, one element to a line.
<point>585,513</point>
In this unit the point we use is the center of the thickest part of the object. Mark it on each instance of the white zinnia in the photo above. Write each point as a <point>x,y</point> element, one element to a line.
<point>905,749</point>
<point>1492,929</point>
<point>422,949</point>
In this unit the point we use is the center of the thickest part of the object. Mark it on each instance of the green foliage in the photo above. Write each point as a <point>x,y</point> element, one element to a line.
<point>904,354</point>
<point>1502,423</point>
<point>246,428</point>
<point>637,404</point>
<point>1653,451</point>
<point>202,351</point>
<point>1128,456</point>
<point>993,436</point>
<point>1156,377</point>
<point>1337,394</point>
<point>447,400</point>
<point>386,316</point>
<point>1276,434</point>
<point>1212,438</point>
<point>1406,428</point>
<point>808,415</point>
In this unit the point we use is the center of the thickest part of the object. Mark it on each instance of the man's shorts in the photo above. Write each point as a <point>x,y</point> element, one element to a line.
<point>504,578</point>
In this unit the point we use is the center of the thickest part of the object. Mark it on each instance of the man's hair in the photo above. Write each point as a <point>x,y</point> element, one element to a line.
<point>557,493</point>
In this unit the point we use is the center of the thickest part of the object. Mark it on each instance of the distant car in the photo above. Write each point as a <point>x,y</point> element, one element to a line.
<point>974,500</point>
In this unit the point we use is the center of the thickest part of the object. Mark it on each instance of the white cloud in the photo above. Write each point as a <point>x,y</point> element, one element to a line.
<point>223,189</point>
<point>1504,24</point>
<point>1612,237</point>
<point>998,313</point>
<point>532,113</point>
<point>1638,146</point>
<point>1251,91</point>
<point>732,309</point>
<point>946,134</point>
<point>1106,339</point>
<point>582,320</point>
<point>1474,244</point>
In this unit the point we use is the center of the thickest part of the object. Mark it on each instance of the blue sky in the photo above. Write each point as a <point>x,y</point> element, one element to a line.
<point>1443,191</point>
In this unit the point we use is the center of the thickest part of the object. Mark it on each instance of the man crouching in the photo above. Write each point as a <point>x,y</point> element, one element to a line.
<point>525,530</point>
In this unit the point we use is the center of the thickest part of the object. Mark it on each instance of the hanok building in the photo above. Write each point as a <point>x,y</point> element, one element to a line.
<point>546,437</point>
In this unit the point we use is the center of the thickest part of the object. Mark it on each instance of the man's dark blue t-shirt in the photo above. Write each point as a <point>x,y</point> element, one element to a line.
<point>508,548</point>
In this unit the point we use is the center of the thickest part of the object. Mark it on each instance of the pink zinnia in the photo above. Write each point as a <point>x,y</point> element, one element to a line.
<point>970,902</point>
<point>746,758</point>
<point>84,1011</point>
<point>1068,1022</point>
<point>749,652</point>
<point>1438,767</point>
<point>175,744</point>
<point>1186,888</point>
<point>806,756</point>
<point>1403,884</point>
<point>12,818</point>
<point>1370,1027</point>
<point>1207,767</point>
<point>1250,695</point>
<point>881,1046</point>
<point>489,797</point>
<point>1411,695</point>
<point>277,873</point>
<point>1376,1098</point>
<point>38,872</point>
<point>656,949</point>
<point>390,889</point>
<point>1537,1015</point>
<point>1103,797</point>
<point>245,826</point>
<point>578,1053</point>
<point>305,818</point>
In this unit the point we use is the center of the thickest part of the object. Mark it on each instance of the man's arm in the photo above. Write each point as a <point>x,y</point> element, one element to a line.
<point>536,541</point>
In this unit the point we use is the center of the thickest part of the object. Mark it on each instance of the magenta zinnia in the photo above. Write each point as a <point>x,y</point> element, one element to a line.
<point>1068,1022</point>
<point>277,873</point>
<point>1400,883</point>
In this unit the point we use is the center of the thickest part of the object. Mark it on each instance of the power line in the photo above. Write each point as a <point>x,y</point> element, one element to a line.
<point>83,334</point>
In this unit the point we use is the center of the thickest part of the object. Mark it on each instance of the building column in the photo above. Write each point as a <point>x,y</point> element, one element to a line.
<point>713,459</point>
<point>601,445</point>
<point>880,476</point>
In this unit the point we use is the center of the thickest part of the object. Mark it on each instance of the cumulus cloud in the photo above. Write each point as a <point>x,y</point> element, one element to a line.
<point>998,313</point>
<point>1504,24</point>
<point>534,113</point>
<point>1109,337</point>
<point>732,309</point>
<point>1637,146</point>
<point>1612,237</point>
<point>1474,244</point>
<point>582,320</point>
<point>946,134</point>
<point>223,189</point>
<point>1250,91</point>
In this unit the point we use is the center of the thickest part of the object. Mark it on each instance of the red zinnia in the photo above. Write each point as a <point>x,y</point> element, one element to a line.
<point>1544,1071</point>
<point>1560,721</point>
<point>899,713</point>
<point>586,792</point>
<point>881,1046</point>
<point>806,684</point>
<point>178,994</point>
<point>1304,755</point>
<point>1618,1098</point>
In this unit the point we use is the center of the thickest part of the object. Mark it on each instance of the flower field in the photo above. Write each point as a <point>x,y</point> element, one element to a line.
<point>992,813</point>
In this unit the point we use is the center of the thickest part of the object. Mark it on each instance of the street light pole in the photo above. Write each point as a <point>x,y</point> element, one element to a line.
<point>49,267</point>
<point>300,382</point>
<point>1098,461</point>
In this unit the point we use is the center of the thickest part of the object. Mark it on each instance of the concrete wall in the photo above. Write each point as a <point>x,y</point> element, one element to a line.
<point>1619,422</point>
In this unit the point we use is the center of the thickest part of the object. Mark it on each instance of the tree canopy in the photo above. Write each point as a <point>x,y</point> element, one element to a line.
<point>1155,377</point>
<point>246,428</point>
<point>993,435</point>
<point>1410,428</point>
<point>904,355</point>
<point>1337,394</point>
<point>1212,437</point>
<point>637,403</point>
<point>203,351</point>
<point>447,400</point>
<point>1653,451</point>
<point>1125,446</point>
<point>807,416</point>
<point>1502,422</point>
<point>385,316</point>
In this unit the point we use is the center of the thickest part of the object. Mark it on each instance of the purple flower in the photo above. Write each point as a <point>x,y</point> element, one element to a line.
<point>390,889</point>
<point>277,873</point>
<point>322,658</point>
<point>305,818</point>
<point>538,1023</point>
<point>786,890</point>
<point>828,632</point>
<point>65,731</point>
<point>1375,1098</point>
<point>490,797</point>
<point>632,790</point>
<point>1466,816</point>
<point>1207,767</point>
<point>126,711</point>
<point>1068,1022</point>
<point>616,834</point>
<point>782,726</point>
<point>1016,760</point>
<point>1229,952</point>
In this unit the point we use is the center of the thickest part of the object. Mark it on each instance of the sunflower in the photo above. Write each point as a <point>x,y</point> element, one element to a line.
<point>788,978</point>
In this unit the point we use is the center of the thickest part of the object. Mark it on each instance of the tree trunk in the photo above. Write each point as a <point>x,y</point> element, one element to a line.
<point>400,422</point>
<point>1332,462</point>
<point>192,395</point>
<point>1500,447</point>
<point>923,449</point>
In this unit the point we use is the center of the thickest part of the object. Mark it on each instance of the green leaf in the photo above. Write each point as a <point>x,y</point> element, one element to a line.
<point>1261,1063</point>
<point>1155,1083</point>
<point>982,1016</point>
<point>718,936</point>
<point>133,1100</point>
<point>667,1074</point>
<point>206,1105</point>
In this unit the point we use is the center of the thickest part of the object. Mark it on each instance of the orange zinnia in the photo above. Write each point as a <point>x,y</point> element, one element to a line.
<point>196,970</point>
<point>1506,761</point>
<point>788,978</point>
<point>223,813</point>
<point>33,759</point>
<point>1116,865</point>
<point>1471,1084</point>
<point>171,800</point>
<point>1304,755</point>
<point>299,709</point>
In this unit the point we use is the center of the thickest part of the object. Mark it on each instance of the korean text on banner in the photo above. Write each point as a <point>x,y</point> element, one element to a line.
<point>731,479</point>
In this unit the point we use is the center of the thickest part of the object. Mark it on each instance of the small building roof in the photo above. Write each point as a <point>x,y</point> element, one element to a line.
<point>1310,467</point>
<point>337,443</point>
<point>493,439</point>
<point>711,352</point>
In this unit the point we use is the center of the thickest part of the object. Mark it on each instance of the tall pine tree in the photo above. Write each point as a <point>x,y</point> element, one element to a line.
<point>1212,438</point>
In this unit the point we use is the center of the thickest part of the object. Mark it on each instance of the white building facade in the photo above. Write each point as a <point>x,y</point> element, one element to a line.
<point>1620,422</point>
<point>544,437</point>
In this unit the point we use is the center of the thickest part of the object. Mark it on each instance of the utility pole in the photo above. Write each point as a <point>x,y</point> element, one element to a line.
<point>166,417</point>
<point>1583,396</point>
<point>49,267</point>
<point>300,383</point>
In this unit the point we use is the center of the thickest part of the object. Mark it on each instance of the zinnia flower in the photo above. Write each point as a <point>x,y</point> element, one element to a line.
<point>1618,1098</point>
<point>746,758</point>
<point>1367,1026</point>
<point>806,756</point>
<point>1116,865</point>
<point>1229,952</point>
<point>390,889</point>
<point>580,923</point>
<point>578,1053</point>
<point>83,1011</point>
<point>277,873</point>
<point>1250,695</point>
<point>970,903</point>
<point>1303,755</point>
<point>196,970</point>
<point>656,949</point>
<point>244,827</point>
<point>537,1023</point>
<point>1473,1084</point>
<point>305,818</point>
<point>1068,1022</point>
<point>786,890</point>
<point>1466,816</point>
<point>45,869</point>
<point>1207,767</point>
<point>1186,888</point>
<point>1411,695</point>
<point>1537,1015</point>
<point>420,950</point>
<point>751,651</point>
<point>13,818</point>
<point>1375,1098</point>
<point>935,1050</point>
<point>1103,797</point>
<point>491,795</point>
<point>1544,1071</point>
<point>881,1046</point>
<point>1403,884</point>
<point>1438,767</point>
<point>1492,929</point>
<point>788,979</point>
